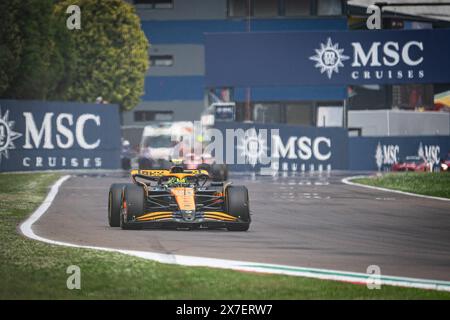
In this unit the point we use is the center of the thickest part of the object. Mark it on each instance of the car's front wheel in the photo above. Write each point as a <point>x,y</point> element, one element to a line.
<point>114,204</point>
<point>237,204</point>
<point>132,205</point>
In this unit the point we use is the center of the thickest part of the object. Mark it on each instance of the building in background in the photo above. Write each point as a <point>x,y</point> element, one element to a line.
<point>175,87</point>
<point>399,104</point>
<point>418,97</point>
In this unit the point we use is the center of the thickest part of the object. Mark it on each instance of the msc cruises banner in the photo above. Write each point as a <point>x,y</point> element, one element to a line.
<point>252,147</point>
<point>327,58</point>
<point>37,135</point>
<point>380,153</point>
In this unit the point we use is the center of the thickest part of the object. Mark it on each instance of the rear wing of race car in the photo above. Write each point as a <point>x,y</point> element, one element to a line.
<point>156,174</point>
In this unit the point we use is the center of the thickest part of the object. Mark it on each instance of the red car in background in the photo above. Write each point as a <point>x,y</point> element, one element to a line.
<point>411,163</point>
<point>445,164</point>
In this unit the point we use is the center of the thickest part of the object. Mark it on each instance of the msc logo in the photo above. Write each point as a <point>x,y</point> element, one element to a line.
<point>396,60</point>
<point>329,58</point>
<point>429,152</point>
<point>303,148</point>
<point>66,136</point>
<point>253,146</point>
<point>386,154</point>
<point>7,135</point>
<point>52,132</point>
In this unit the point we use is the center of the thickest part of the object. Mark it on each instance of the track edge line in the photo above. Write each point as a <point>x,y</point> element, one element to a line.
<point>342,276</point>
<point>347,181</point>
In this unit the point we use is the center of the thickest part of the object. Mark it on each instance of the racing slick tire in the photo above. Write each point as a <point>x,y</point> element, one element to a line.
<point>133,205</point>
<point>219,172</point>
<point>114,204</point>
<point>237,204</point>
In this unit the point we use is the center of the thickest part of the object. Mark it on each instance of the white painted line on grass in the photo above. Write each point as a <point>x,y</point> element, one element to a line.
<point>349,182</point>
<point>324,274</point>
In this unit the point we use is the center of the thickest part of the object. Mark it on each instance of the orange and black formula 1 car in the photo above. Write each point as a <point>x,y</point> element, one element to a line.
<point>177,198</point>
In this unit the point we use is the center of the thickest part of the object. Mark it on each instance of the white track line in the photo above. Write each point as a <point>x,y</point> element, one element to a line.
<point>349,182</point>
<point>324,274</point>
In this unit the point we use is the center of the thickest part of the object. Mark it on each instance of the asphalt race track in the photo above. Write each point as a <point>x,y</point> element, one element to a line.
<point>306,220</point>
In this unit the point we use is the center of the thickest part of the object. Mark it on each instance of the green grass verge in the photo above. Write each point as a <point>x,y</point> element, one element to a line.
<point>435,184</point>
<point>35,270</point>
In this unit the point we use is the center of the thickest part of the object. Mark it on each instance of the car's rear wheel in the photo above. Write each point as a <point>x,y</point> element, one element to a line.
<point>237,204</point>
<point>114,204</point>
<point>132,206</point>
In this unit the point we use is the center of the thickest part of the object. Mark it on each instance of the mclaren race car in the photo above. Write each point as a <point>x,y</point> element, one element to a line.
<point>177,198</point>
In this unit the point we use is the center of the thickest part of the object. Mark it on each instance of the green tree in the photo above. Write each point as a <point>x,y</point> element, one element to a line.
<point>31,60</point>
<point>10,43</point>
<point>111,53</point>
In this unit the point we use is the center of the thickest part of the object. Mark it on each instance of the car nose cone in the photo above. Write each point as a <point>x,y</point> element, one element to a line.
<point>188,215</point>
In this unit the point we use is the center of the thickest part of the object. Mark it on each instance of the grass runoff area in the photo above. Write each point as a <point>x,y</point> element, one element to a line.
<point>33,270</point>
<point>435,184</point>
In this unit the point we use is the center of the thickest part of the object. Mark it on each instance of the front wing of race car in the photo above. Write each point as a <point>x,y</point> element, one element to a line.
<point>185,218</point>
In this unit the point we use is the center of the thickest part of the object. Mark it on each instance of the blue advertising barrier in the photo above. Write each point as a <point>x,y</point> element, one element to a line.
<point>36,135</point>
<point>378,153</point>
<point>298,148</point>
<point>289,148</point>
<point>327,58</point>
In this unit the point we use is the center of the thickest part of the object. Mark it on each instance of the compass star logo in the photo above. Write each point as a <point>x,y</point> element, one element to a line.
<point>379,156</point>
<point>253,147</point>
<point>329,58</point>
<point>7,135</point>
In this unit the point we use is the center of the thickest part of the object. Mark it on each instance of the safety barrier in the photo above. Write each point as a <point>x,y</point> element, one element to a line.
<point>301,148</point>
<point>36,135</point>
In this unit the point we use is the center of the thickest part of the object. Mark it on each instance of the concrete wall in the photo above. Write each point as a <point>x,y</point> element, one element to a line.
<point>399,123</point>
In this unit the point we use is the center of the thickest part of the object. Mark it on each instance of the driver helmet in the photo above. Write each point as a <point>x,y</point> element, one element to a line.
<point>176,180</point>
